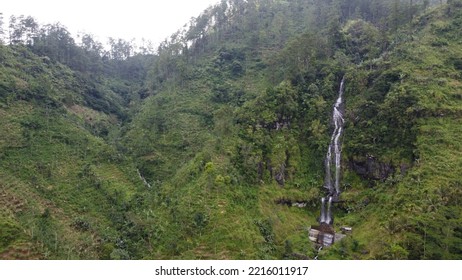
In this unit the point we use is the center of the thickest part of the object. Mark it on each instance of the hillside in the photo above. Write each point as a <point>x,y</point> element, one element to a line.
<point>65,191</point>
<point>207,149</point>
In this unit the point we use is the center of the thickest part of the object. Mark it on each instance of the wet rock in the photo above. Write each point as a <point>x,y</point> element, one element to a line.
<point>292,203</point>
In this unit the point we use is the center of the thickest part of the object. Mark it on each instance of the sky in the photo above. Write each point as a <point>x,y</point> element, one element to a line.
<point>152,20</point>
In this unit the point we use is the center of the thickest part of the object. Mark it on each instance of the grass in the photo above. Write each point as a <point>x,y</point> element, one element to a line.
<point>209,148</point>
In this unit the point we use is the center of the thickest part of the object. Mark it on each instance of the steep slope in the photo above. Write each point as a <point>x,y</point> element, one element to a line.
<point>408,139</point>
<point>65,193</point>
<point>237,131</point>
<point>214,148</point>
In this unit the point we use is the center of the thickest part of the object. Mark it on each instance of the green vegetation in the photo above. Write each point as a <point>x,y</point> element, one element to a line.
<point>199,151</point>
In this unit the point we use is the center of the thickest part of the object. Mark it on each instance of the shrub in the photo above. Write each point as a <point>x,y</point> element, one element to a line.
<point>8,233</point>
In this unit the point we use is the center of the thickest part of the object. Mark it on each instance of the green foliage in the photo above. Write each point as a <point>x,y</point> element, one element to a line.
<point>266,230</point>
<point>281,126</point>
<point>363,40</point>
<point>9,232</point>
<point>185,155</point>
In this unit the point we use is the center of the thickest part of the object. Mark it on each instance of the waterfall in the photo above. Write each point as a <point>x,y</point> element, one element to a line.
<point>145,182</point>
<point>333,160</point>
<point>326,214</point>
<point>317,255</point>
<point>335,146</point>
<point>323,217</point>
<point>329,216</point>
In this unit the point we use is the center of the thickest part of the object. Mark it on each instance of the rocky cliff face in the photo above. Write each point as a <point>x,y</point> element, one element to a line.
<point>371,168</point>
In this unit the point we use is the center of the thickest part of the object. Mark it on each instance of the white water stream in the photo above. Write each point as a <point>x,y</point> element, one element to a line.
<point>333,159</point>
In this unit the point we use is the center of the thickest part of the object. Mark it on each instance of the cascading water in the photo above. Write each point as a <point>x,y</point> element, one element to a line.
<point>323,217</point>
<point>329,219</point>
<point>145,182</point>
<point>335,148</point>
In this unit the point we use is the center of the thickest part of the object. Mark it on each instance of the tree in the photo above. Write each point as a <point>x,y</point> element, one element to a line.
<point>411,10</point>
<point>146,47</point>
<point>426,4</point>
<point>395,14</point>
<point>120,49</point>
<point>54,41</point>
<point>23,30</point>
<point>30,27</point>
<point>362,39</point>
<point>92,52</point>
<point>2,32</point>
<point>90,45</point>
<point>13,33</point>
<point>453,5</point>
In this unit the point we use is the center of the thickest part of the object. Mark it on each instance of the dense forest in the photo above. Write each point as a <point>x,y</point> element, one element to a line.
<point>212,145</point>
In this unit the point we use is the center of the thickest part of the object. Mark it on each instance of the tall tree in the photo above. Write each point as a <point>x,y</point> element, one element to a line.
<point>120,49</point>
<point>395,14</point>
<point>31,27</point>
<point>146,47</point>
<point>90,45</point>
<point>411,10</point>
<point>54,41</point>
<point>14,33</point>
<point>2,32</point>
<point>23,30</point>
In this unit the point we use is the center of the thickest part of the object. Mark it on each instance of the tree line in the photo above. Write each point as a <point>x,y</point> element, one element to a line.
<point>55,38</point>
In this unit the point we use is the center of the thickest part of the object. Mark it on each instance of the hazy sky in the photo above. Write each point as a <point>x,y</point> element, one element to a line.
<point>153,20</point>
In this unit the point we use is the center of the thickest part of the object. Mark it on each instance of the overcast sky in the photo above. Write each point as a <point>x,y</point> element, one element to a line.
<point>153,20</point>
